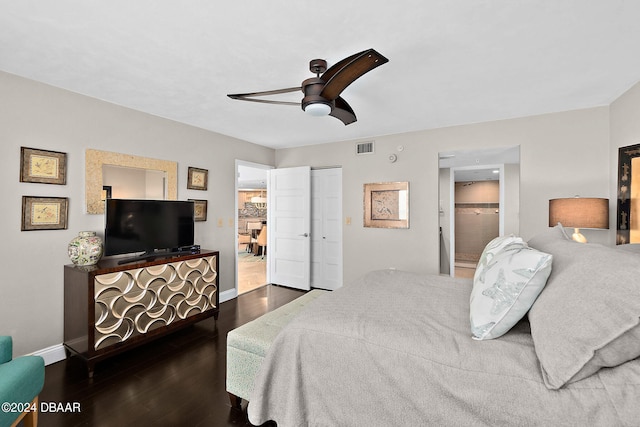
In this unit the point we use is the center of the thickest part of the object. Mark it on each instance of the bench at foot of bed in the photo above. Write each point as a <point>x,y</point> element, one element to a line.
<point>248,345</point>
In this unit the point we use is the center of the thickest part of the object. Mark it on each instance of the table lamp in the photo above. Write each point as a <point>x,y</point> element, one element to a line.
<point>579,212</point>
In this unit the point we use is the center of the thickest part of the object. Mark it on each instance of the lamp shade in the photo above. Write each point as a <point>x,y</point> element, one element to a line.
<point>579,212</point>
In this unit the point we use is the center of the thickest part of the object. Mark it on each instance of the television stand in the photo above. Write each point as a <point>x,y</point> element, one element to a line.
<point>110,308</point>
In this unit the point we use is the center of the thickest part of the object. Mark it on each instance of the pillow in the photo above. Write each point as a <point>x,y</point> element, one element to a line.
<point>548,236</point>
<point>490,251</point>
<point>509,285</point>
<point>588,316</point>
<point>630,247</point>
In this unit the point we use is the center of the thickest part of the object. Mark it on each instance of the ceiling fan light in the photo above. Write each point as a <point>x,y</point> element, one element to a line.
<point>318,109</point>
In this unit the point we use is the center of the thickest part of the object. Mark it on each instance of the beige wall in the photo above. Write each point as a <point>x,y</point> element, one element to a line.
<point>562,154</point>
<point>40,116</point>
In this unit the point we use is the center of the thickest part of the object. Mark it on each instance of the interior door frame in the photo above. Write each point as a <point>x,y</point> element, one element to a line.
<point>238,163</point>
<point>452,207</point>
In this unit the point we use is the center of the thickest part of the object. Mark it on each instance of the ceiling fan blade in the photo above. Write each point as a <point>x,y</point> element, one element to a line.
<point>254,96</point>
<point>345,72</point>
<point>343,111</point>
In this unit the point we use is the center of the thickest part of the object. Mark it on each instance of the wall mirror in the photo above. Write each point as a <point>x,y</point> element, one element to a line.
<point>628,223</point>
<point>127,177</point>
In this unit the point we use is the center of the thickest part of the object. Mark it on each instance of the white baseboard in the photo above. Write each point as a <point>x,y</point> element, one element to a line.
<point>52,354</point>
<point>228,295</point>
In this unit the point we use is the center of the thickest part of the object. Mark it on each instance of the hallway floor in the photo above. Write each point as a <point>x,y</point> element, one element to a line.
<point>252,271</point>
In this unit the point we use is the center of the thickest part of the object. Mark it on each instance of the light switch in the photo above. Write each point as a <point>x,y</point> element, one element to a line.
<point>348,220</point>
<point>220,222</point>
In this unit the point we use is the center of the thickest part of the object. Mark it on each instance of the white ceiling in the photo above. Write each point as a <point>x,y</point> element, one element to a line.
<point>450,62</point>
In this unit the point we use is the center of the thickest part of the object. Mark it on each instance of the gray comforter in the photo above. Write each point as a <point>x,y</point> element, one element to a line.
<point>395,349</point>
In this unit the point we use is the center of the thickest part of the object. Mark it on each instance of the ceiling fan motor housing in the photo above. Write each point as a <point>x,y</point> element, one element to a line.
<point>311,88</point>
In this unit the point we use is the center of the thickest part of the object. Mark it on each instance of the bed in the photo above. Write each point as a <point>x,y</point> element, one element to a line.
<point>397,348</point>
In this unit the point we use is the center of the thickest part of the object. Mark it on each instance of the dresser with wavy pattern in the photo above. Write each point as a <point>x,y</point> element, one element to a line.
<point>110,308</point>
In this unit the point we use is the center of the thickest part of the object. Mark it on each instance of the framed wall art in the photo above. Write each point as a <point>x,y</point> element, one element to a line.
<point>197,179</point>
<point>628,212</point>
<point>44,213</point>
<point>386,205</point>
<point>200,208</point>
<point>43,166</point>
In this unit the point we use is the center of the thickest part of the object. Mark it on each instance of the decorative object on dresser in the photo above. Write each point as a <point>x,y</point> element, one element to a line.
<point>579,212</point>
<point>110,308</point>
<point>44,213</point>
<point>43,166</point>
<point>386,205</point>
<point>86,248</point>
<point>197,178</point>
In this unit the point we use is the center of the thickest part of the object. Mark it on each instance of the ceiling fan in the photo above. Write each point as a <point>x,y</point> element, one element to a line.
<point>322,93</point>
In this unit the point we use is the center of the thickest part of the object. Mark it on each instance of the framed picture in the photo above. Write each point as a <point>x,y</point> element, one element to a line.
<point>42,166</point>
<point>197,179</point>
<point>44,213</point>
<point>628,212</point>
<point>386,205</point>
<point>200,207</point>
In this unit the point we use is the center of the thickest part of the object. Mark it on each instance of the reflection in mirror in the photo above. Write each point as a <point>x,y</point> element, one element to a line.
<point>479,199</point>
<point>139,170</point>
<point>134,183</point>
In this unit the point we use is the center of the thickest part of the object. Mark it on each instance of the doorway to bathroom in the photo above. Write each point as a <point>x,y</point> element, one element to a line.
<point>479,200</point>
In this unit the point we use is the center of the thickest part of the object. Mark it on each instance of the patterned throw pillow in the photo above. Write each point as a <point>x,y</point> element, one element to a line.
<point>490,251</point>
<point>504,291</point>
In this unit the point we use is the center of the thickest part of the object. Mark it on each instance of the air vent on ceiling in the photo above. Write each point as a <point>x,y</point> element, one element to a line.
<point>364,148</point>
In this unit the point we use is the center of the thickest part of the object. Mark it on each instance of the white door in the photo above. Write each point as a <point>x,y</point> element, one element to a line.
<point>289,228</point>
<point>326,228</point>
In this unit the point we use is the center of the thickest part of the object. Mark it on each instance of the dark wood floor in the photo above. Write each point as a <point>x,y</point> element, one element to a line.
<point>178,380</point>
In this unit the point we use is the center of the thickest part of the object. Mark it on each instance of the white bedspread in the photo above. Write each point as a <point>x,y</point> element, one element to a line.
<point>395,349</point>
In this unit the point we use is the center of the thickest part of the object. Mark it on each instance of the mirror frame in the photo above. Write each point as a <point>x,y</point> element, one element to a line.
<point>623,215</point>
<point>95,159</point>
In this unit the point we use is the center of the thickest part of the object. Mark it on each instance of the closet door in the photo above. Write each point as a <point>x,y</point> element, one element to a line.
<point>326,228</point>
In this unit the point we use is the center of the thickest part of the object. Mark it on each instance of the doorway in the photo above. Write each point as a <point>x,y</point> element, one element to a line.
<point>479,200</point>
<point>251,225</point>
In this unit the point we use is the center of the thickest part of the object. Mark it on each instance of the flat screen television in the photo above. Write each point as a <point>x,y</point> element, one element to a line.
<point>148,226</point>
